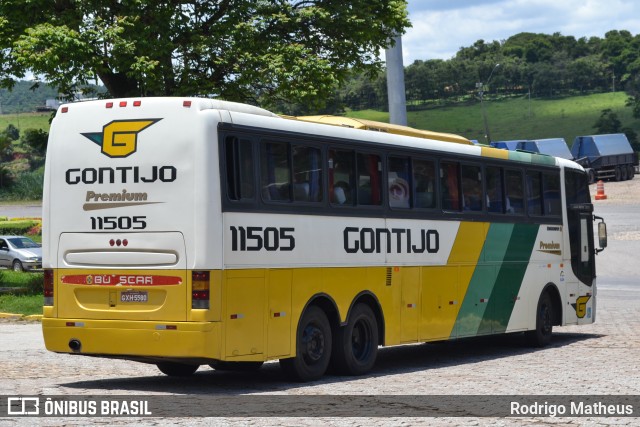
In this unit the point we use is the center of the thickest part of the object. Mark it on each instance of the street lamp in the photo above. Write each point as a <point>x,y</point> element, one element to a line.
<point>480,87</point>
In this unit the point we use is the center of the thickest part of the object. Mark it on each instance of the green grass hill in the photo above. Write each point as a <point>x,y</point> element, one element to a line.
<point>513,118</point>
<point>519,118</point>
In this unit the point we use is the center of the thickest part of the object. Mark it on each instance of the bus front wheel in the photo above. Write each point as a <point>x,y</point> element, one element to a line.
<point>174,369</point>
<point>541,335</point>
<point>313,347</point>
<point>356,344</point>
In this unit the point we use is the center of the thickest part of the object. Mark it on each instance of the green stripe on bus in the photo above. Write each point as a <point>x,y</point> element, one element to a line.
<point>474,304</point>
<point>509,279</point>
<point>519,156</point>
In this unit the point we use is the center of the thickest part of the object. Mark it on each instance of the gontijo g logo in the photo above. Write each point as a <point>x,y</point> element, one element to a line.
<point>119,138</point>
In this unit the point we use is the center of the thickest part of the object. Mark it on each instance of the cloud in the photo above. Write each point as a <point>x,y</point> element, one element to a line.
<point>441,28</point>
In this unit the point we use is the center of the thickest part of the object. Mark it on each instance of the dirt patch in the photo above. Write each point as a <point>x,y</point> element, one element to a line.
<point>621,192</point>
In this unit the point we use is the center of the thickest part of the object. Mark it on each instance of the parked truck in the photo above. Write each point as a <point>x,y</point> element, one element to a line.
<point>556,147</point>
<point>605,156</point>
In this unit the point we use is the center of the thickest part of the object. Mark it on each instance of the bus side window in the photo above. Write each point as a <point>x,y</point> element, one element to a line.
<point>341,176</point>
<point>515,197</point>
<point>449,186</point>
<point>275,170</point>
<point>399,179</point>
<point>551,193</point>
<point>534,193</point>
<point>424,184</point>
<point>307,174</point>
<point>495,191</point>
<point>369,179</point>
<point>240,169</point>
<point>471,188</point>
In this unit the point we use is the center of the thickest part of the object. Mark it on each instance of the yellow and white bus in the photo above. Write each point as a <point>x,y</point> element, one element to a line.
<point>186,232</point>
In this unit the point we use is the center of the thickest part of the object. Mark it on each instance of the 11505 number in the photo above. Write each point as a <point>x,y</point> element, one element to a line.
<point>258,238</point>
<point>118,222</point>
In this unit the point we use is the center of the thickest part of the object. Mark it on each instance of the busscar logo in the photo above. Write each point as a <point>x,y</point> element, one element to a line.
<point>119,138</point>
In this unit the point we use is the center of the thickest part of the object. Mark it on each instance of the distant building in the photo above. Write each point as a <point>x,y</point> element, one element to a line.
<point>52,104</point>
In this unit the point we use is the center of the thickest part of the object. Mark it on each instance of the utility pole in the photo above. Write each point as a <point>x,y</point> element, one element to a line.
<point>480,87</point>
<point>395,84</point>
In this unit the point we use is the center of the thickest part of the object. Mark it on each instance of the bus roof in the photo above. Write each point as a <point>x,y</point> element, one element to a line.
<point>383,127</point>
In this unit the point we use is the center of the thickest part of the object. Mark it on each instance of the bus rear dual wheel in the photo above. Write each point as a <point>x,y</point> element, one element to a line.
<point>352,351</point>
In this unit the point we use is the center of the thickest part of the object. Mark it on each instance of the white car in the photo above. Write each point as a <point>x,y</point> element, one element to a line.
<point>20,253</point>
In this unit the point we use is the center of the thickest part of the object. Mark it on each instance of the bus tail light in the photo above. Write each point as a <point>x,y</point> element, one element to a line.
<point>48,287</point>
<point>200,289</point>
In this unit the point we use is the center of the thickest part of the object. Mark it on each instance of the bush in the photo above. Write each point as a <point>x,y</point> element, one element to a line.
<point>33,281</point>
<point>28,186</point>
<point>20,227</point>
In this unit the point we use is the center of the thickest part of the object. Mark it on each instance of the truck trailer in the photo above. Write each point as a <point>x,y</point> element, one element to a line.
<point>605,156</point>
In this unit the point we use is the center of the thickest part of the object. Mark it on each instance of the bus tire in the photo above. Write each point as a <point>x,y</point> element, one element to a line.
<point>174,369</point>
<point>541,335</point>
<point>220,365</point>
<point>313,347</point>
<point>356,344</point>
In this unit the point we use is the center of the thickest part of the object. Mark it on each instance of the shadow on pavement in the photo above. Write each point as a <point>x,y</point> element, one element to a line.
<point>391,361</point>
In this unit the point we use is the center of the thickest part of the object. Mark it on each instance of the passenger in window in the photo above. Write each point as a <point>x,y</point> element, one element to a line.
<point>398,191</point>
<point>341,177</point>
<point>341,193</point>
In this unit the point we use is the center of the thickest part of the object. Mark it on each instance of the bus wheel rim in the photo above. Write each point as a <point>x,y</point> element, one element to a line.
<point>313,344</point>
<point>360,339</point>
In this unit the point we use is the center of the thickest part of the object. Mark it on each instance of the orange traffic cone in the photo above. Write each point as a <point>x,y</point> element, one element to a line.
<point>600,191</point>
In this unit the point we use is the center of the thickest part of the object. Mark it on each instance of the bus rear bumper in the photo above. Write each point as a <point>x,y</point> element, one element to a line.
<point>148,341</point>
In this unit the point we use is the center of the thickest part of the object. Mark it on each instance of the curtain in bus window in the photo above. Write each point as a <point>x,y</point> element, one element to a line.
<point>315,179</point>
<point>276,183</point>
<point>424,182</point>
<point>534,193</point>
<point>495,193</point>
<point>369,190</point>
<point>341,173</point>
<point>514,199</point>
<point>551,193</point>
<point>450,192</point>
<point>306,174</point>
<point>471,188</point>
<point>399,188</point>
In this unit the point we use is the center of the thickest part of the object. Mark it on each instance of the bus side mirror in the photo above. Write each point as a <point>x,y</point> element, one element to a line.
<point>602,234</point>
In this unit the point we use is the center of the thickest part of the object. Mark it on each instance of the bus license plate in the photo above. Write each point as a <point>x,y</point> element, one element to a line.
<point>134,296</point>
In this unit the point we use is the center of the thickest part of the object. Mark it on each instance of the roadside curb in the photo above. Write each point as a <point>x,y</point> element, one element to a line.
<point>36,317</point>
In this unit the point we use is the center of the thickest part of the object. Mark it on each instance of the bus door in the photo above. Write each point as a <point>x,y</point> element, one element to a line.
<point>581,255</point>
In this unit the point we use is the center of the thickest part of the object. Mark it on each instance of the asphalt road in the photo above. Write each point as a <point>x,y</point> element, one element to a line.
<point>21,211</point>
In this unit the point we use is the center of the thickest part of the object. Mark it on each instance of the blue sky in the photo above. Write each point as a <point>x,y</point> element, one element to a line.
<point>441,27</point>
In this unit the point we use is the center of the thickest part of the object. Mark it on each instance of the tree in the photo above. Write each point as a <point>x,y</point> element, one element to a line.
<point>36,140</point>
<point>12,132</point>
<point>241,50</point>
<point>608,122</point>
